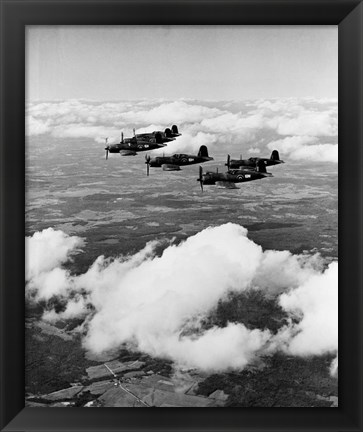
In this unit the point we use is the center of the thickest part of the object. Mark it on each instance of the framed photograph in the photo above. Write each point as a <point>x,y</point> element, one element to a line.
<point>183,201</point>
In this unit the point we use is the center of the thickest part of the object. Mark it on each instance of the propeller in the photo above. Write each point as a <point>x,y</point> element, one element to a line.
<point>106,148</point>
<point>147,161</point>
<point>200,179</point>
<point>228,164</point>
<point>122,137</point>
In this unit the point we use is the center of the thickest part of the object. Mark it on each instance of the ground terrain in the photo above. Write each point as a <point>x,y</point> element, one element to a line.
<point>117,210</point>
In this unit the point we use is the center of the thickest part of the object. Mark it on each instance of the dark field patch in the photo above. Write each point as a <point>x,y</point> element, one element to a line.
<point>250,308</point>
<point>52,363</point>
<point>270,225</point>
<point>283,382</point>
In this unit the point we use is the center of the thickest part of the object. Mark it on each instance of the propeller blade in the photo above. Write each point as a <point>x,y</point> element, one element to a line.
<point>147,161</point>
<point>228,164</point>
<point>106,148</point>
<point>200,179</point>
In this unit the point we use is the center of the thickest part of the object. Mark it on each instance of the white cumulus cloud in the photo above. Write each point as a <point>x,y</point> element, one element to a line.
<point>157,303</point>
<point>306,148</point>
<point>249,126</point>
<point>315,302</point>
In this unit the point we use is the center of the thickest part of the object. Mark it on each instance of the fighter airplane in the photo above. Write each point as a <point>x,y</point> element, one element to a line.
<point>131,146</point>
<point>159,136</point>
<point>251,162</point>
<point>175,161</point>
<point>232,176</point>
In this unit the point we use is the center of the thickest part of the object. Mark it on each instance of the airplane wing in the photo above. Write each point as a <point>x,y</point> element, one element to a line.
<point>226,185</point>
<point>170,167</point>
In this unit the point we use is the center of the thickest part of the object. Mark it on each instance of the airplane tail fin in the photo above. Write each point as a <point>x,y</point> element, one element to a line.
<point>203,151</point>
<point>168,133</point>
<point>275,155</point>
<point>261,167</point>
<point>174,129</point>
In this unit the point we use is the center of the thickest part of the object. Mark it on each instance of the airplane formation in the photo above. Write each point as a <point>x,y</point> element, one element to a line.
<point>238,170</point>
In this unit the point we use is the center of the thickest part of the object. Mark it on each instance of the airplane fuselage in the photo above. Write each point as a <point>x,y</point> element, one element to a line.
<point>132,145</point>
<point>157,136</point>
<point>178,160</point>
<point>251,162</point>
<point>233,176</point>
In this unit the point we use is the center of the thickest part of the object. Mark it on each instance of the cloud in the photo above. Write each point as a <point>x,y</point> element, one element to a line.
<point>315,302</point>
<point>292,116</point>
<point>45,252</point>
<point>254,150</point>
<point>189,144</point>
<point>242,125</point>
<point>36,126</point>
<point>157,303</point>
<point>305,148</point>
<point>308,123</point>
<point>44,286</point>
<point>170,113</point>
<point>97,133</point>
<point>217,349</point>
<point>75,308</point>
<point>334,367</point>
<point>280,271</point>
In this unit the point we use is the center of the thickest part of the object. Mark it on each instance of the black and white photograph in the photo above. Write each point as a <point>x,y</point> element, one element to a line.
<point>181,226</point>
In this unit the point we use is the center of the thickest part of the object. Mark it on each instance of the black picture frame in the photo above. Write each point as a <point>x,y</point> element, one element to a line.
<point>15,15</point>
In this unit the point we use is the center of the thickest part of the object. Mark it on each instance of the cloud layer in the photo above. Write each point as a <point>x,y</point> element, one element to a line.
<point>299,128</point>
<point>156,303</point>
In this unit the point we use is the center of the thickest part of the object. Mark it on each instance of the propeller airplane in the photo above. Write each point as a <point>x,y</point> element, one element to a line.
<point>175,161</point>
<point>159,136</point>
<point>131,146</point>
<point>232,176</point>
<point>252,161</point>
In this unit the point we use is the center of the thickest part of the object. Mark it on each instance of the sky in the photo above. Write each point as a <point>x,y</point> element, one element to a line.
<point>106,63</point>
